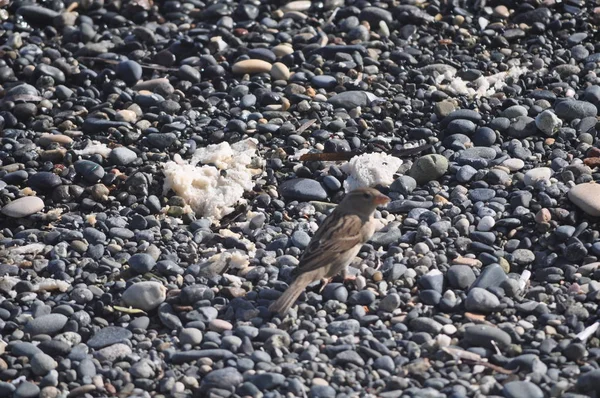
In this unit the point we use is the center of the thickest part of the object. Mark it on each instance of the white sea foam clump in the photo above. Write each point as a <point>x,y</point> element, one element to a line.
<point>369,170</point>
<point>215,179</point>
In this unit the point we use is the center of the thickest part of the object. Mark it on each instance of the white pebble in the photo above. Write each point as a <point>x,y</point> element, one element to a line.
<point>486,224</point>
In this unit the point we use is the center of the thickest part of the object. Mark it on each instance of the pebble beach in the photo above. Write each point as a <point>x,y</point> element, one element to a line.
<point>164,164</point>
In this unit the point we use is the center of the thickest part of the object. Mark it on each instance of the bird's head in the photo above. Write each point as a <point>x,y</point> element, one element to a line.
<point>364,201</point>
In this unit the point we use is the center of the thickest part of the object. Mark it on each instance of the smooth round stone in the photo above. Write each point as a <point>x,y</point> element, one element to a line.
<point>142,263</point>
<point>523,256</point>
<point>491,276</point>
<point>113,352</point>
<point>109,335</point>
<point>404,184</point>
<point>302,189</point>
<point>589,381</point>
<point>514,111</point>
<point>41,364</point>
<point>280,71</point>
<point>219,325</point>
<point>46,324</point>
<point>484,136</point>
<point>461,126</point>
<point>225,378</point>
<point>351,99</point>
<point>428,168</point>
<point>189,73</point>
<point>548,123</point>
<point>281,50</point>
<point>53,72</point>
<point>522,127</point>
<point>335,291</point>
<point>522,389</point>
<point>513,164</point>
<point>427,325</point>
<point>251,66</point>
<point>486,224</point>
<point>129,71</point>
<point>390,302</point>
<point>23,207</point>
<point>145,295</point>
<point>476,153</point>
<point>324,81</point>
<point>300,239</point>
<point>460,276</point>
<point>480,300</point>
<point>122,156</point>
<point>298,5</point>
<point>483,336</point>
<point>90,171</point>
<point>191,336</point>
<point>44,181</point>
<point>27,389</point>
<point>574,109</point>
<point>375,15</point>
<point>48,139</point>
<point>466,173</point>
<point>263,54</point>
<point>533,176</point>
<point>585,196</point>
<point>481,194</point>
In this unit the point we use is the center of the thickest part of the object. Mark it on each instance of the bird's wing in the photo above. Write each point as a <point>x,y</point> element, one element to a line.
<point>337,235</point>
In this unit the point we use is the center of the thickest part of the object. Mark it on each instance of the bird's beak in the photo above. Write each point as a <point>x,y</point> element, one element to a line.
<point>381,199</point>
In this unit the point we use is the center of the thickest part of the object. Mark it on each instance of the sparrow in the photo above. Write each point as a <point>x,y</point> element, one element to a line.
<point>335,244</point>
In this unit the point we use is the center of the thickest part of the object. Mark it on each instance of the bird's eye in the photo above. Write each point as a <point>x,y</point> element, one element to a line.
<point>366,195</point>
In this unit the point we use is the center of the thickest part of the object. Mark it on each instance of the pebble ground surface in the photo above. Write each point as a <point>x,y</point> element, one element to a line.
<point>483,281</point>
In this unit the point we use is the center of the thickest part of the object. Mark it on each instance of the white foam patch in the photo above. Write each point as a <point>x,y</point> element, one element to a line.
<point>95,148</point>
<point>213,190</point>
<point>369,170</point>
<point>484,86</point>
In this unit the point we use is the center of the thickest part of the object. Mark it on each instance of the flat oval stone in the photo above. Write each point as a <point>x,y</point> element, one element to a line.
<point>522,389</point>
<point>44,181</point>
<point>46,324</point>
<point>303,189</point>
<point>538,174</point>
<point>145,295</point>
<point>572,109</point>
<point>484,335</point>
<point>23,207</point>
<point>585,196</point>
<point>108,336</point>
<point>90,171</point>
<point>251,66</point>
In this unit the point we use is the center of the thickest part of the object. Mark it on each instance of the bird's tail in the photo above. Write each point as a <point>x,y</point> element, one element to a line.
<point>288,298</point>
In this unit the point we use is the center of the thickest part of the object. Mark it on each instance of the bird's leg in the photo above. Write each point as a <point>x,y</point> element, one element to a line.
<point>347,276</point>
<point>325,282</point>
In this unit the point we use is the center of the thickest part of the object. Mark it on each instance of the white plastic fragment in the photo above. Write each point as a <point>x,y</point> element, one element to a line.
<point>587,332</point>
<point>213,190</point>
<point>525,275</point>
<point>369,170</point>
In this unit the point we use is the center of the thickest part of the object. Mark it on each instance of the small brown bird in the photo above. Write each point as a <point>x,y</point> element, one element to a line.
<point>335,244</point>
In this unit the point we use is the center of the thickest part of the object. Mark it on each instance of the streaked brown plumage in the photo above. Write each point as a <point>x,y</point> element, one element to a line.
<point>335,244</point>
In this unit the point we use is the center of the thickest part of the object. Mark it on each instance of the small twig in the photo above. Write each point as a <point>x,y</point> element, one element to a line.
<point>328,157</point>
<point>332,16</point>
<point>115,62</point>
<point>306,125</point>
<point>72,7</point>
